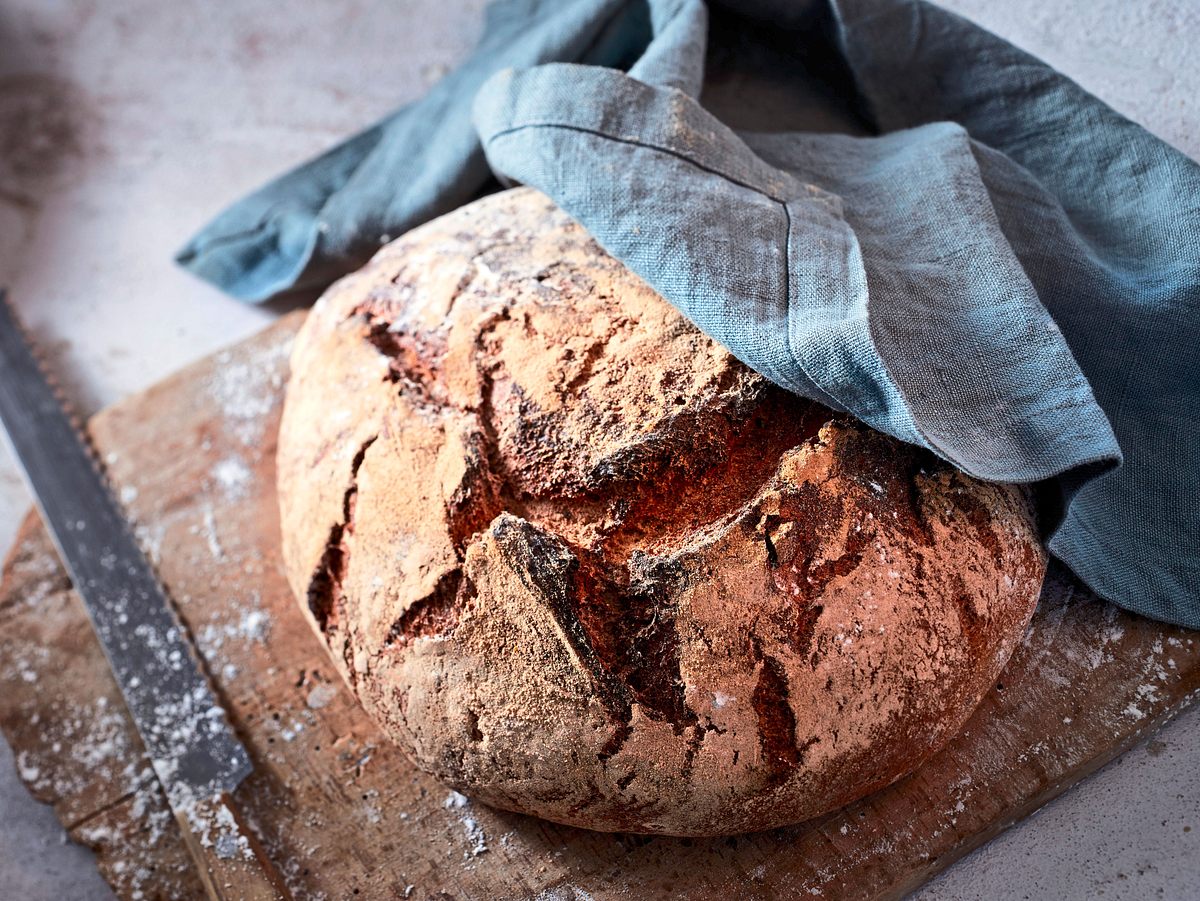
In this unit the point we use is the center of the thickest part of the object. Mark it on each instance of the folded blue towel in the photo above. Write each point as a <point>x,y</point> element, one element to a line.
<point>874,203</point>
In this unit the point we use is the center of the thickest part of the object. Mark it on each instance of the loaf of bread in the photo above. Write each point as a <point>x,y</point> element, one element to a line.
<point>581,563</point>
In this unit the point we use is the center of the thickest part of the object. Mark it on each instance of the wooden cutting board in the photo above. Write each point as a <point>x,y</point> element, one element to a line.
<point>345,816</point>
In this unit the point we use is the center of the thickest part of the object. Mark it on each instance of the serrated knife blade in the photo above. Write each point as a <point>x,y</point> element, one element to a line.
<point>181,723</point>
<point>192,748</point>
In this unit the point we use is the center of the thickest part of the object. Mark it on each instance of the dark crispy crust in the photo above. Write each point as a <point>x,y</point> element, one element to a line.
<point>581,563</point>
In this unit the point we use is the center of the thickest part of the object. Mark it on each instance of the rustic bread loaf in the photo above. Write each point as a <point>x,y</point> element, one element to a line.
<point>582,563</point>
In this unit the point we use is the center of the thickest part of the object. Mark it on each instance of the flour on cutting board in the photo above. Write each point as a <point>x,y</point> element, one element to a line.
<point>92,737</point>
<point>563,893</point>
<point>371,810</point>
<point>232,476</point>
<point>249,623</point>
<point>208,530</point>
<point>150,540</point>
<point>476,840</point>
<point>41,572</point>
<point>321,696</point>
<point>247,390</point>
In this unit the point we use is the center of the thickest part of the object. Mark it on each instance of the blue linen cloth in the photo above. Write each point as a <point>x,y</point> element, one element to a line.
<point>874,203</point>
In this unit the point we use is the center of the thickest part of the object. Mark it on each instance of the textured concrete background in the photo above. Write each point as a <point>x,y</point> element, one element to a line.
<point>123,126</point>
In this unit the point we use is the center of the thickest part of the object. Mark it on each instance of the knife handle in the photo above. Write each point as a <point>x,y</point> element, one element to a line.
<point>234,866</point>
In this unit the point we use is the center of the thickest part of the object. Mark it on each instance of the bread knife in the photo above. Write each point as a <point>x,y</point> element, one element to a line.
<point>193,751</point>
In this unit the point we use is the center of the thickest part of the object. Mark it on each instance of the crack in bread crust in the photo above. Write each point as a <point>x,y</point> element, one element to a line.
<point>325,597</point>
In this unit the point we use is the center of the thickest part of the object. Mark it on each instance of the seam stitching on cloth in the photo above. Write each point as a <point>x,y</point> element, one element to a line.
<point>635,143</point>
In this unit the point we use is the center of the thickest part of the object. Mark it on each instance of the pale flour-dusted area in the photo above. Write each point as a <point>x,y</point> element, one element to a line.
<point>154,115</point>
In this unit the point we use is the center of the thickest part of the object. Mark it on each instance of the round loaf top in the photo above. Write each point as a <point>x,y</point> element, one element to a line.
<point>582,563</point>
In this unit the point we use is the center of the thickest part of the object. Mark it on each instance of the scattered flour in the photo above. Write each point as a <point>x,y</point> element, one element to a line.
<point>563,893</point>
<point>208,529</point>
<point>476,839</point>
<point>150,539</point>
<point>27,771</point>
<point>371,809</point>
<point>232,477</point>
<point>254,625</point>
<point>243,394</point>
<point>321,696</point>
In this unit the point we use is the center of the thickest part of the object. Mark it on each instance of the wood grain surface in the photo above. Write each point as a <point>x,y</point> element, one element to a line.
<point>343,815</point>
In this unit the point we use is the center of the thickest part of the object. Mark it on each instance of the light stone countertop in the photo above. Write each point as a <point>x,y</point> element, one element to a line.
<point>125,125</point>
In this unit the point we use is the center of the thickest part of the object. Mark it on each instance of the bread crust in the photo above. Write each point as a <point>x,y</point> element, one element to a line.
<point>581,563</point>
